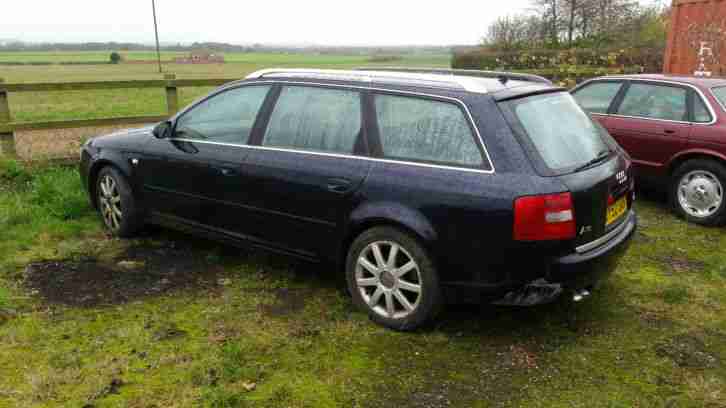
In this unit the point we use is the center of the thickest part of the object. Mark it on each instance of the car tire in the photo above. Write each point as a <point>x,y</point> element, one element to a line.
<point>400,290</point>
<point>697,192</point>
<point>116,204</point>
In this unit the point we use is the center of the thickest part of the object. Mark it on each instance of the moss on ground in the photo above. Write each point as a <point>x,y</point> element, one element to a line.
<point>265,331</point>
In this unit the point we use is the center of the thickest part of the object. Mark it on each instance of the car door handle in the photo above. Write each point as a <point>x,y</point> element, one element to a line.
<point>339,185</point>
<point>669,132</point>
<point>227,171</point>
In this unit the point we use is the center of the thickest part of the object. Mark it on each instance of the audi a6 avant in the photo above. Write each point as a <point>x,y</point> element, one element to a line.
<point>422,186</point>
<point>674,128</point>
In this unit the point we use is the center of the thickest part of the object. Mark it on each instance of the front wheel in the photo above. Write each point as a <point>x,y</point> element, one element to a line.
<point>391,277</point>
<point>697,192</point>
<point>116,203</point>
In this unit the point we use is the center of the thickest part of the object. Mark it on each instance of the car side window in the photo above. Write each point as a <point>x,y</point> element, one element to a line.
<point>597,97</point>
<point>426,130</point>
<point>227,117</point>
<point>655,102</point>
<point>700,112</point>
<point>316,119</point>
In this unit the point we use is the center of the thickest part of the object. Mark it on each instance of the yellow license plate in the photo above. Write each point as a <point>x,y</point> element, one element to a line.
<point>616,210</point>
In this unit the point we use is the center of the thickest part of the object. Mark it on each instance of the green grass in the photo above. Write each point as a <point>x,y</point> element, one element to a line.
<point>653,335</point>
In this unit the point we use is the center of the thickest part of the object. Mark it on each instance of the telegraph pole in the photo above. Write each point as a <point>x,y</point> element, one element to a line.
<point>156,31</point>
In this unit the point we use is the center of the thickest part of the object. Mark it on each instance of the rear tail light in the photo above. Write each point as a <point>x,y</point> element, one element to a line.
<point>544,218</point>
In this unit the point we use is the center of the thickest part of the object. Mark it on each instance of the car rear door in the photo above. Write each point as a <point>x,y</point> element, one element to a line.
<point>651,122</point>
<point>302,177</point>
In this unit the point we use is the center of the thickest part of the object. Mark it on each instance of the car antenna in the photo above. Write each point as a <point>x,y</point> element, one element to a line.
<point>503,79</point>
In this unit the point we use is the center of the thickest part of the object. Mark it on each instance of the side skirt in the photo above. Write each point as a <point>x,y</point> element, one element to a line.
<point>221,235</point>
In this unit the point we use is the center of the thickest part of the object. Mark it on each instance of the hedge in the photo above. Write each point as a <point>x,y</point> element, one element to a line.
<point>650,59</point>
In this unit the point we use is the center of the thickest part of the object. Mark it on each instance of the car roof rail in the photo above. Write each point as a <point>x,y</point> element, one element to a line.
<point>401,77</point>
<point>500,75</point>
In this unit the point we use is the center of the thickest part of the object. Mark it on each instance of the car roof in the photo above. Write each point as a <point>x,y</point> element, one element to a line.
<point>473,81</point>
<point>703,82</point>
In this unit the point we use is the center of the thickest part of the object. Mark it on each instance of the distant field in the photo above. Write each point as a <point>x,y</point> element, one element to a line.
<point>44,106</point>
<point>239,57</point>
<point>78,105</point>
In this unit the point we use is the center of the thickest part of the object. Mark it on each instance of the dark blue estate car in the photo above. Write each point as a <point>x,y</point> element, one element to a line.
<point>423,186</point>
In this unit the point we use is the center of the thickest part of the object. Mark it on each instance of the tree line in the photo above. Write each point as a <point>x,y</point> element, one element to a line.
<point>558,24</point>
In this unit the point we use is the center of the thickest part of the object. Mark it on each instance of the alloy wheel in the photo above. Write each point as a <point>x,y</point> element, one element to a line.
<point>388,279</point>
<point>109,198</point>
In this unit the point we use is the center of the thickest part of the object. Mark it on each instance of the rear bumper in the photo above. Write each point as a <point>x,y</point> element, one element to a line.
<point>578,273</point>
<point>586,268</point>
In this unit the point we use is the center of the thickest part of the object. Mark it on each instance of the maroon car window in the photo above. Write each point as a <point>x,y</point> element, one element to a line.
<point>720,94</point>
<point>700,112</point>
<point>655,102</point>
<point>598,96</point>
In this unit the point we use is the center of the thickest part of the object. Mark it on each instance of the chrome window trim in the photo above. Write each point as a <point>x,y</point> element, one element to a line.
<point>700,93</point>
<point>605,238</point>
<point>459,102</point>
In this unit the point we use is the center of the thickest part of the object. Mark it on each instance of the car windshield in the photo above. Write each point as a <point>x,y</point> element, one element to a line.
<point>565,137</point>
<point>720,94</point>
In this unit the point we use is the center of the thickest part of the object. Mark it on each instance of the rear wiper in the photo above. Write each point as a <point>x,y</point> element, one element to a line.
<point>601,157</point>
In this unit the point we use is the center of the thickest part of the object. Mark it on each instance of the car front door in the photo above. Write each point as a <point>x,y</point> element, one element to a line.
<point>195,175</point>
<point>652,123</point>
<point>302,177</point>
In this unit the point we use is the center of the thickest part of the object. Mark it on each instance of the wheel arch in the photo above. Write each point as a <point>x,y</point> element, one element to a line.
<point>93,175</point>
<point>393,215</point>
<point>694,154</point>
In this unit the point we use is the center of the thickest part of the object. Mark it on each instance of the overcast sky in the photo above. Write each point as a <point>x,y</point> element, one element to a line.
<point>322,22</point>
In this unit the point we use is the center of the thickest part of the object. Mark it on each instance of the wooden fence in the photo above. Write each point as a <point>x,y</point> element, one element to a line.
<point>8,127</point>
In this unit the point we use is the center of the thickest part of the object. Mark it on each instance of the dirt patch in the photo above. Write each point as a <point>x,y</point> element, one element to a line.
<point>681,264</point>
<point>520,357</point>
<point>687,350</point>
<point>5,315</point>
<point>656,320</point>
<point>141,271</point>
<point>168,331</point>
<point>287,302</point>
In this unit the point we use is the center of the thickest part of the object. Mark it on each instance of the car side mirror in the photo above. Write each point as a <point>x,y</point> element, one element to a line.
<point>162,130</point>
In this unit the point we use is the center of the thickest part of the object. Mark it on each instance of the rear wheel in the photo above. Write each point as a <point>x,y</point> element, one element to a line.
<point>393,279</point>
<point>697,192</point>
<point>116,203</point>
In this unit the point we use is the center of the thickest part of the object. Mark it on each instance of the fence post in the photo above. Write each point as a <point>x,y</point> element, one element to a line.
<point>172,95</point>
<point>7,140</point>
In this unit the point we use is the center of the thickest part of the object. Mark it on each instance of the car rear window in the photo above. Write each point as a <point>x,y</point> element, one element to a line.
<point>561,133</point>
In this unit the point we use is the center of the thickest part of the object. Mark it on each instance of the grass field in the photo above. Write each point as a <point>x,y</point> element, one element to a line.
<point>234,57</point>
<point>45,106</point>
<point>67,105</point>
<point>172,321</point>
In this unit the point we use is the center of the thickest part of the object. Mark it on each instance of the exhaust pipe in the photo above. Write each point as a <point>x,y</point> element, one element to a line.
<point>580,295</point>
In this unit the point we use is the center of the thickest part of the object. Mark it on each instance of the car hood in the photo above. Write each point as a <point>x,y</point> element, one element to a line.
<point>127,138</point>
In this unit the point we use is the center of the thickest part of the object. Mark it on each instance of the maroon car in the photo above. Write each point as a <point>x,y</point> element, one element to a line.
<point>674,128</point>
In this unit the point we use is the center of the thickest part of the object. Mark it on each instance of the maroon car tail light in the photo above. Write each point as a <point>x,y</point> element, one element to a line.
<point>544,218</point>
